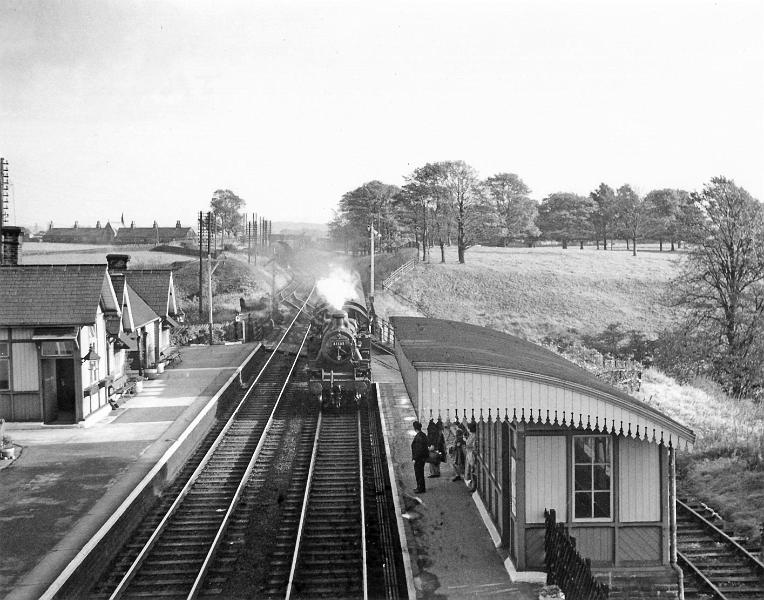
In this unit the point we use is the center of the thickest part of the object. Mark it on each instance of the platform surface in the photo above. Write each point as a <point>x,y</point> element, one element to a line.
<point>451,551</point>
<point>68,480</point>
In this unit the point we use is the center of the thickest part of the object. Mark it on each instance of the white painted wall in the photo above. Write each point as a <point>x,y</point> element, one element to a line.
<point>639,481</point>
<point>545,477</point>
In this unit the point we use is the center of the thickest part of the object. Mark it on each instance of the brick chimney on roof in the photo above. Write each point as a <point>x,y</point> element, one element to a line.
<point>155,225</point>
<point>10,239</point>
<point>132,224</point>
<point>98,224</point>
<point>76,224</point>
<point>177,225</point>
<point>117,263</point>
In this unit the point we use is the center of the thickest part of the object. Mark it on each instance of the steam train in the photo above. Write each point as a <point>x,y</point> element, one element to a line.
<point>339,351</point>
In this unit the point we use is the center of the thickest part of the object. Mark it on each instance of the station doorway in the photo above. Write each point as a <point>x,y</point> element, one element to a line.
<point>58,390</point>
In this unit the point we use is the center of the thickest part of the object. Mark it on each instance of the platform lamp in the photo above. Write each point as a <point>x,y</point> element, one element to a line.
<point>93,357</point>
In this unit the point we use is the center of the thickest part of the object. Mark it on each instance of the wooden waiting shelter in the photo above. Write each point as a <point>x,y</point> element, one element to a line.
<point>551,436</point>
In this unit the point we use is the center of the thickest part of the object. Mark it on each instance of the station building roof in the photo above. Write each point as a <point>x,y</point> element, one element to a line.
<point>155,286</point>
<point>439,344</point>
<point>54,295</point>
<point>136,313</point>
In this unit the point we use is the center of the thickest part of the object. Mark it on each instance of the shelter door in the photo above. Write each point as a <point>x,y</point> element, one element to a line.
<point>58,389</point>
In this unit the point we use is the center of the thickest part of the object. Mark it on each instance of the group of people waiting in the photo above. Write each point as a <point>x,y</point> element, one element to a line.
<point>442,441</point>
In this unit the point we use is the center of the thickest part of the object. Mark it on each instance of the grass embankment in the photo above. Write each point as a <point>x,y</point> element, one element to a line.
<point>725,469</point>
<point>232,280</point>
<point>535,292</point>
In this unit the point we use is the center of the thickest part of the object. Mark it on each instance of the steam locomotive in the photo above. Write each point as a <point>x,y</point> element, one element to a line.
<point>339,351</point>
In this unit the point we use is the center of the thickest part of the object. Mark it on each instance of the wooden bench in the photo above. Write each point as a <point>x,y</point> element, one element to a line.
<point>123,391</point>
<point>172,356</point>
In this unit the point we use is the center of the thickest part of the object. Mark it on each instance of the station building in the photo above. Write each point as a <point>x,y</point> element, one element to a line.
<point>551,436</point>
<point>70,334</point>
<point>149,310</point>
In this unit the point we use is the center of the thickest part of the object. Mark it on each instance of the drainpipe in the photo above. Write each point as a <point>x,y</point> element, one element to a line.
<point>672,522</point>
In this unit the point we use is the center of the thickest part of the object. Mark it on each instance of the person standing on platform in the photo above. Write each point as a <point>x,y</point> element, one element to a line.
<point>469,454</point>
<point>459,456</point>
<point>436,446</point>
<point>419,454</point>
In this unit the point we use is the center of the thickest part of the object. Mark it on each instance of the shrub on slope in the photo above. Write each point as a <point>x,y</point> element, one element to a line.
<point>725,469</point>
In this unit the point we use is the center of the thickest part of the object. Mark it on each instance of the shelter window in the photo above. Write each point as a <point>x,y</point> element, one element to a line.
<point>592,477</point>
<point>57,348</point>
<point>5,368</point>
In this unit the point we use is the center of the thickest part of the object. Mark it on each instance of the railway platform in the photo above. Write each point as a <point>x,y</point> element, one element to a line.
<point>449,548</point>
<point>69,480</point>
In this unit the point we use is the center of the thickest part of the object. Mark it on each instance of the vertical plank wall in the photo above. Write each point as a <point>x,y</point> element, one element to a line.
<point>545,476</point>
<point>639,489</point>
<point>25,374</point>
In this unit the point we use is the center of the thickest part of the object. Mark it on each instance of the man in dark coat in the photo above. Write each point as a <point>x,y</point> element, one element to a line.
<point>419,454</point>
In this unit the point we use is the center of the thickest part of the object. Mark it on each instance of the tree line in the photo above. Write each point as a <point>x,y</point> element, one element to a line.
<point>445,203</point>
<point>719,288</point>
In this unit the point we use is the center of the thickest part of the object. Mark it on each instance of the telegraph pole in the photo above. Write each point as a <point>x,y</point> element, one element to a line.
<point>201,244</point>
<point>273,287</point>
<point>371,287</point>
<point>254,227</point>
<point>209,275</point>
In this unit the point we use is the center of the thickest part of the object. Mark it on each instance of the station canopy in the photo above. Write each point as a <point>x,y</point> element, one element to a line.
<point>470,369</point>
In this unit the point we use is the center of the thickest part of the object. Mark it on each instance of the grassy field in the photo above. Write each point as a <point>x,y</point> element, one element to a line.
<point>140,256</point>
<point>534,292</point>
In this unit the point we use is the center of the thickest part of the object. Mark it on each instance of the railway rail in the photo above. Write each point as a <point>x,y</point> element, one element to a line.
<point>715,564</point>
<point>330,553</point>
<point>175,559</point>
<point>337,536</point>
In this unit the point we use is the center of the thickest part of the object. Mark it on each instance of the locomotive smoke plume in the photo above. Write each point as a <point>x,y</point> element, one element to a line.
<point>338,287</point>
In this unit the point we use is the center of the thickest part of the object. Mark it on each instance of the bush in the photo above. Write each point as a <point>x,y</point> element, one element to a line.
<point>197,334</point>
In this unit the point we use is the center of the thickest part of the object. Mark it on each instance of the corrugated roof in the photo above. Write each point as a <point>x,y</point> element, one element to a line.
<point>438,342</point>
<point>50,294</point>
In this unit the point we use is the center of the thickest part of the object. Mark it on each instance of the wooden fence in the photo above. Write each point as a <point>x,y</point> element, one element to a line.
<point>400,271</point>
<point>565,567</point>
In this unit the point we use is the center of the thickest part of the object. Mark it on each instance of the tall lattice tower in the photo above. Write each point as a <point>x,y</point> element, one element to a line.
<point>5,213</point>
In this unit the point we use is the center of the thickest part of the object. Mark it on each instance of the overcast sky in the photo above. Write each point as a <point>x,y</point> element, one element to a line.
<point>145,108</point>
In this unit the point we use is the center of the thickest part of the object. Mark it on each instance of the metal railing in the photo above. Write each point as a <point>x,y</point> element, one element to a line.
<point>383,331</point>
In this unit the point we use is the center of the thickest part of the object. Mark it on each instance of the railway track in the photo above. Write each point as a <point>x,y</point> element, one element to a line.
<point>174,550</point>
<point>715,564</point>
<point>337,536</point>
<point>329,556</point>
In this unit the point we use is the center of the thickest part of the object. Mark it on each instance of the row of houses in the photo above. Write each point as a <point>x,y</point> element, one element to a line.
<point>72,335</point>
<point>109,234</point>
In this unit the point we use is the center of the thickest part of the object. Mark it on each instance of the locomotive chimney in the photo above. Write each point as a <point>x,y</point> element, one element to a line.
<point>338,319</point>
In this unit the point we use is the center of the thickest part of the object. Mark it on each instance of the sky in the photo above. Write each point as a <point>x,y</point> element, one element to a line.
<point>144,109</point>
